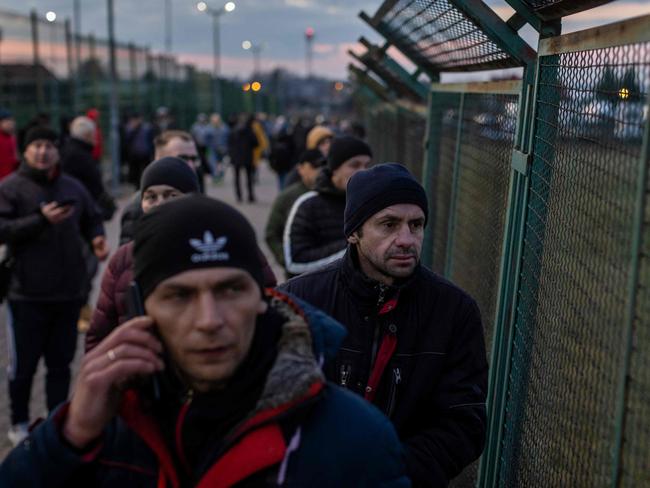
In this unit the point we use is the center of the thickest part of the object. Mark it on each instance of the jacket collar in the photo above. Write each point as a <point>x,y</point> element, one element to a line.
<point>83,145</point>
<point>367,291</point>
<point>40,176</point>
<point>324,185</point>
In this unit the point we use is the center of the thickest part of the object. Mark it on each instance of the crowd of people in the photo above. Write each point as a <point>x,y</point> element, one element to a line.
<point>363,368</point>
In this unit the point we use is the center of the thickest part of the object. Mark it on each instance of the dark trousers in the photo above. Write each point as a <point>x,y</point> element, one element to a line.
<point>249,181</point>
<point>40,329</point>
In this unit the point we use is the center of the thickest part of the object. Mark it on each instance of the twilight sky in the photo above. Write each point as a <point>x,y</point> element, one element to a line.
<point>280,24</point>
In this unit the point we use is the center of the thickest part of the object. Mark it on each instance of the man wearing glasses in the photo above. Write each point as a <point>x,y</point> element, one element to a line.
<point>170,143</point>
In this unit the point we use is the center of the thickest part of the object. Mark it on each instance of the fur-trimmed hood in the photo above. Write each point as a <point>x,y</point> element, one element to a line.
<point>308,338</point>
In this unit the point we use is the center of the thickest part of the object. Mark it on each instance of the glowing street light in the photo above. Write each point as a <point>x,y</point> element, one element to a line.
<point>202,6</point>
<point>246,45</point>
<point>229,7</point>
<point>624,94</point>
<point>50,16</point>
<point>246,87</point>
<point>256,86</point>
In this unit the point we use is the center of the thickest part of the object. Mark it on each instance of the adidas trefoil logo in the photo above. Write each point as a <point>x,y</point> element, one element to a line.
<point>209,249</point>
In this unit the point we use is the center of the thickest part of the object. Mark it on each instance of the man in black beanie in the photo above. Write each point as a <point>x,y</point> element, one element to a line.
<point>240,398</point>
<point>415,346</point>
<point>46,220</point>
<point>313,233</point>
<point>161,181</point>
<point>308,167</point>
<point>170,143</point>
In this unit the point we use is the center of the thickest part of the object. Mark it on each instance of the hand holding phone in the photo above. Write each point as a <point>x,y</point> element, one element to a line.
<point>65,202</point>
<point>135,308</point>
<point>55,213</point>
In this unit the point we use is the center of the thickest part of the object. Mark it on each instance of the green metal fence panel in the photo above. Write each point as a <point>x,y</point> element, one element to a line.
<point>396,132</point>
<point>569,344</point>
<point>445,109</point>
<point>487,139</point>
<point>635,466</point>
<point>411,126</point>
<point>381,128</point>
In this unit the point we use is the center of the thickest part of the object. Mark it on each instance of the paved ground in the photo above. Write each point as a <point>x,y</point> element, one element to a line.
<point>256,212</point>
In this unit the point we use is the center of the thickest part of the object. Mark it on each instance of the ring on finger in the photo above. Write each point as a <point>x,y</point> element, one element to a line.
<point>111,355</point>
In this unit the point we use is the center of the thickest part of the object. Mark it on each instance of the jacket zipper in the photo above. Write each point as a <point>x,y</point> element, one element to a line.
<point>397,379</point>
<point>179,429</point>
<point>344,374</point>
<point>375,344</point>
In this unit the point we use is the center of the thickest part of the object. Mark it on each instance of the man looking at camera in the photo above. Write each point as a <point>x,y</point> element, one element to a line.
<point>46,218</point>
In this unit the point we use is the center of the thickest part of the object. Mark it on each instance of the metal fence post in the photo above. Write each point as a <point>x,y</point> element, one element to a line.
<point>135,82</point>
<point>72,88</point>
<point>630,313</point>
<point>94,71</point>
<point>114,107</point>
<point>429,169</point>
<point>40,95</point>
<point>449,259</point>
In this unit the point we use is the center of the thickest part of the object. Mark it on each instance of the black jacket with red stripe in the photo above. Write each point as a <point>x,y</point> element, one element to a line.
<point>434,383</point>
<point>302,432</point>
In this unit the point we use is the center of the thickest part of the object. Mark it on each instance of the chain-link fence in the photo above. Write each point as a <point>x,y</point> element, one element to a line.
<point>540,210</point>
<point>46,68</point>
<point>562,419</point>
<point>396,133</point>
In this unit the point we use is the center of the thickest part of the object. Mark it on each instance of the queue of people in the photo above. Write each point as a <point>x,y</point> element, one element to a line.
<point>363,369</point>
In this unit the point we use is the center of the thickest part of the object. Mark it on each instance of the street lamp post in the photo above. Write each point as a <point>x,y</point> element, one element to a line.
<point>256,49</point>
<point>114,106</point>
<point>50,16</point>
<point>256,86</point>
<point>309,39</point>
<point>216,13</point>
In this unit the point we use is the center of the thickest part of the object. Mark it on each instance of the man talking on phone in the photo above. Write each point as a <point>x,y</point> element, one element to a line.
<point>240,397</point>
<point>46,218</point>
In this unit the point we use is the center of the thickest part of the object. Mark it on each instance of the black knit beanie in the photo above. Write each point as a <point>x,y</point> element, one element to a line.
<point>38,132</point>
<point>192,232</point>
<point>344,148</point>
<point>376,188</point>
<point>313,157</point>
<point>170,171</point>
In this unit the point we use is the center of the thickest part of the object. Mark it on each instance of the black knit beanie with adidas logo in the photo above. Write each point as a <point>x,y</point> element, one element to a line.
<point>193,232</point>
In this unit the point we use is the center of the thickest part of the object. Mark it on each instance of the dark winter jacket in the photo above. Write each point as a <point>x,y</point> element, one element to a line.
<point>313,234</point>
<point>241,142</point>
<point>292,177</point>
<point>130,215</point>
<point>302,432</point>
<point>434,386</point>
<point>49,263</point>
<point>77,160</point>
<point>278,218</point>
<point>111,309</point>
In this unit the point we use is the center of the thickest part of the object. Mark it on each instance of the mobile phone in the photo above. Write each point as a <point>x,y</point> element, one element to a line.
<point>135,308</point>
<point>65,202</point>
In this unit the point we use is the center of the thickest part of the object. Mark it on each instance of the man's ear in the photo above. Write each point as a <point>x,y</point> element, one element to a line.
<point>353,238</point>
